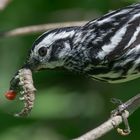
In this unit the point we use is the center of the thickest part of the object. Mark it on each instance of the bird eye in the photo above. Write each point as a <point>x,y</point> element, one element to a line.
<point>42,51</point>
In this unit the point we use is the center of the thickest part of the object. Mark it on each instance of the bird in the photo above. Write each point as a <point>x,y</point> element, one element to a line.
<point>106,49</point>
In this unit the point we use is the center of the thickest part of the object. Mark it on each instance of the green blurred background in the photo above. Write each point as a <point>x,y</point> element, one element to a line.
<point>67,105</point>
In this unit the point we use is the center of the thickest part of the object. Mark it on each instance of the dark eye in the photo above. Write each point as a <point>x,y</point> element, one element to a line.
<point>42,51</point>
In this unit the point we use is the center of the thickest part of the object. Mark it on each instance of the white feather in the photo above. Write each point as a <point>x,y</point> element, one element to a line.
<point>115,40</point>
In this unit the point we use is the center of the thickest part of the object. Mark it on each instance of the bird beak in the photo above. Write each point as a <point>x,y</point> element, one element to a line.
<point>32,64</point>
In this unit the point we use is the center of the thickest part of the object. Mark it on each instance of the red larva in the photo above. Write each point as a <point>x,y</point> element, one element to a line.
<point>10,95</point>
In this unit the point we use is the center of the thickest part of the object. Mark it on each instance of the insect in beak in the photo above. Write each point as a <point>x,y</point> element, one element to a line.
<point>22,82</point>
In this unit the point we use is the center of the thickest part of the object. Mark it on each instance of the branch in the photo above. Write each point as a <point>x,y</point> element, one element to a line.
<point>4,3</point>
<point>128,108</point>
<point>38,28</point>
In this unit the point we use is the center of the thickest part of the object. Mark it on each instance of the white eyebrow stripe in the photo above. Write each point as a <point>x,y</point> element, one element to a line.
<point>52,37</point>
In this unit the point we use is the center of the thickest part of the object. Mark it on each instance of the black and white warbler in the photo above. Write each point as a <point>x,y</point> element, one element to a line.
<point>106,49</point>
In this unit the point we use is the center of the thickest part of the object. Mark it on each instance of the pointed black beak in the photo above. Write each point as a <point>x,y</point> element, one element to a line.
<point>32,64</point>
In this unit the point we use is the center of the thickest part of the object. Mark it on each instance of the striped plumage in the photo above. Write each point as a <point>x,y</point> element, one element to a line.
<point>107,48</point>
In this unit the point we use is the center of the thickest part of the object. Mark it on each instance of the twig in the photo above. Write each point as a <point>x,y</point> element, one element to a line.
<point>128,108</point>
<point>38,28</point>
<point>4,3</point>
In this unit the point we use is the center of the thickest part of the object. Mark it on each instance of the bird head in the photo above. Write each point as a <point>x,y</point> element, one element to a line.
<point>51,49</point>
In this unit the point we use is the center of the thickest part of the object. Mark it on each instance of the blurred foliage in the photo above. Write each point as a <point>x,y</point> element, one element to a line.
<point>67,105</point>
